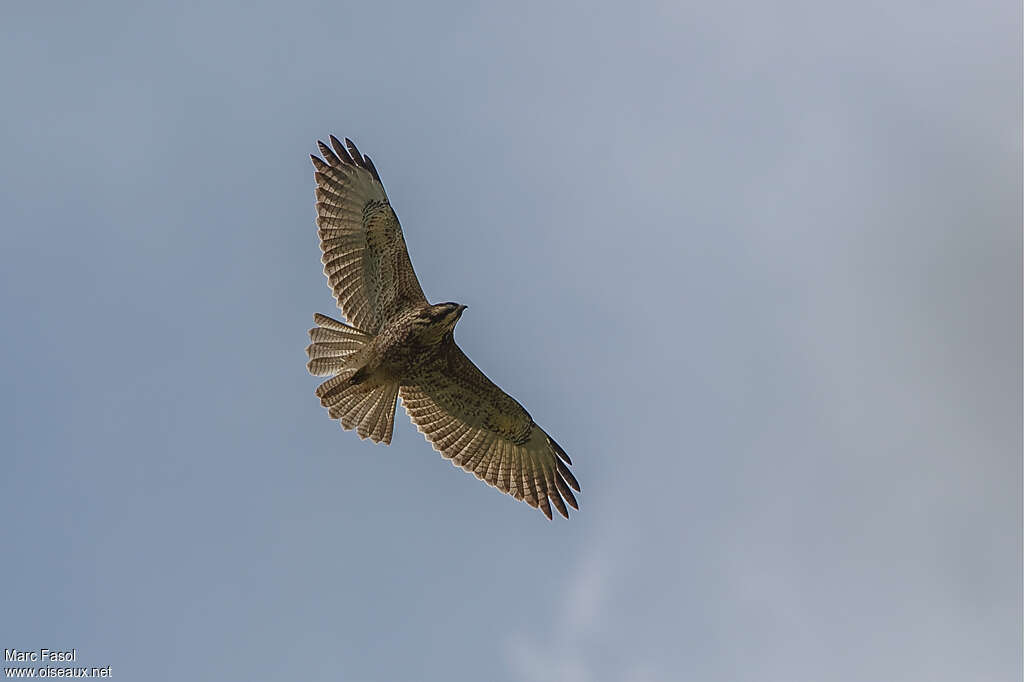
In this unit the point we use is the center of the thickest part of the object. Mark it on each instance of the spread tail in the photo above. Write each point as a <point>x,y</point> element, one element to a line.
<point>360,403</point>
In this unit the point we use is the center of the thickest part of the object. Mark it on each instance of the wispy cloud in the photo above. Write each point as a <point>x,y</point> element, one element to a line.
<point>579,618</point>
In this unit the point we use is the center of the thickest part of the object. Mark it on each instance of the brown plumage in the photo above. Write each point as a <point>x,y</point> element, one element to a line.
<point>398,344</point>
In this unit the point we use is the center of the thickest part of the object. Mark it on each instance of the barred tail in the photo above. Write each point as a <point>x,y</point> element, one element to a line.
<point>362,404</point>
<point>333,344</point>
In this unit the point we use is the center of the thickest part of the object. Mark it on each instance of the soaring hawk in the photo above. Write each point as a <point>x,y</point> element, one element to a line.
<point>398,344</point>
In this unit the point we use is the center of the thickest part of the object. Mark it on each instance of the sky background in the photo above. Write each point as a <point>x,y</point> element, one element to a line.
<point>756,267</point>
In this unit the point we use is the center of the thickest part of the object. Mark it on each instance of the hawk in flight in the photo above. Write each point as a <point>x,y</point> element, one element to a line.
<point>398,344</point>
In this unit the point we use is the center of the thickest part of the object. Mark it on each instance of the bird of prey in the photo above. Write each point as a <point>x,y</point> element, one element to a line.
<point>398,344</point>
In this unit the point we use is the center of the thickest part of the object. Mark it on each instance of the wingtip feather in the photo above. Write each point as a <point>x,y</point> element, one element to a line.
<point>356,155</point>
<point>340,149</point>
<point>570,479</point>
<point>559,504</point>
<point>370,167</point>
<point>563,489</point>
<point>559,451</point>
<point>329,155</point>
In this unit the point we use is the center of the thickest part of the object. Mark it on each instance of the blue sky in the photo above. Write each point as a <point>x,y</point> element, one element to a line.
<point>758,270</point>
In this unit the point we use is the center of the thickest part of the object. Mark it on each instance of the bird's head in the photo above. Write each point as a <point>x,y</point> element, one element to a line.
<point>447,314</point>
<point>439,320</point>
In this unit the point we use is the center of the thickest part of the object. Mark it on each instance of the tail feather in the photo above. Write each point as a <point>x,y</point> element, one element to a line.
<point>323,367</point>
<point>386,420</point>
<point>343,401</point>
<point>333,343</point>
<point>359,403</point>
<point>334,325</point>
<point>354,416</point>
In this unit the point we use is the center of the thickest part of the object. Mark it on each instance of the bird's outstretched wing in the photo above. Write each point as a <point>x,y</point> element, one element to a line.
<point>364,253</point>
<point>482,429</point>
